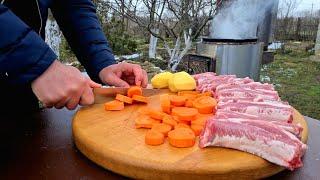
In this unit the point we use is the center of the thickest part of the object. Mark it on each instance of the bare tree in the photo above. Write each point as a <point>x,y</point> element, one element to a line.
<point>179,22</point>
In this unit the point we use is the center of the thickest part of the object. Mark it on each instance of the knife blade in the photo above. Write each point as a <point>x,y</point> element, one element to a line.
<point>104,93</point>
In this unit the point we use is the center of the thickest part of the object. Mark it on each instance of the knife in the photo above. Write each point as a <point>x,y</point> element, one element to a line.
<point>105,93</point>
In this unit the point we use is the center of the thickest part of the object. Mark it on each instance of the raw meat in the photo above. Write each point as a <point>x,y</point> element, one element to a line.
<point>236,93</point>
<point>261,138</point>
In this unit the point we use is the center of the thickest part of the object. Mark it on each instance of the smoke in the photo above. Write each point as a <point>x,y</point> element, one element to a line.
<point>239,19</point>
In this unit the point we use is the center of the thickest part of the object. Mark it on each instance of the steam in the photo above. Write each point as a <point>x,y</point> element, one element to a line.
<point>239,19</point>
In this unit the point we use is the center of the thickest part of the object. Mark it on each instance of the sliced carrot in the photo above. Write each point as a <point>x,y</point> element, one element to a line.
<point>165,103</point>
<point>139,98</point>
<point>177,100</point>
<point>123,98</point>
<point>156,114</point>
<point>207,93</point>
<point>162,128</point>
<point>181,137</point>
<point>175,118</point>
<point>185,113</point>
<point>134,90</point>
<point>182,93</point>
<point>169,120</point>
<point>184,122</point>
<point>200,121</point>
<point>197,129</point>
<point>114,105</point>
<point>205,104</point>
<point>154,138</point>
<point>189,103</point>
<point>181,125</point>
<point>144,121</point>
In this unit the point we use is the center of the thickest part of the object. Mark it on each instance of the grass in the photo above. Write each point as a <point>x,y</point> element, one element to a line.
<point>297,79</point>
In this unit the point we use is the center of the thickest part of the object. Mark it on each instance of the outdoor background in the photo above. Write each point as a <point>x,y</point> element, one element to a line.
<point>176,27</point>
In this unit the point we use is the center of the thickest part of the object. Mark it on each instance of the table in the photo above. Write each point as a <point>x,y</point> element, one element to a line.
<point>40,146</point>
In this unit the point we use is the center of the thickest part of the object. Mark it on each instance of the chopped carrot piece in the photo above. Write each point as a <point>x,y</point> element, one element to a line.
<point>177,100</point>
<point>156,114</point>
<point>205,104</point>
<point>189,103</point>
<point>185,113</point>
<point>154,138</point>
<point>169,120</point>
<point>175,118</point>
<point>165,103</point>
<point>162,128</point>
<point>182,93</point>
<point>207,93</point>
<point>144,121</point>
<point>181,125</point>
<point>200,121</point>
<point>134,90</point>
<point>114,105</point>
<point>139,98</point>
<point>181,137</point>
<point>197,129</point>
<point>123,98</point>
<point>184,122</point>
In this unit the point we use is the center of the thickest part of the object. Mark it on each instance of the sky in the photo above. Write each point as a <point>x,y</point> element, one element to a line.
<point>307,5</point>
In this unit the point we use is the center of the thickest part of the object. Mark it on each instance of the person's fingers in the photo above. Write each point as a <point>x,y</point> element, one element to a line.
<point>136,70</point>
<point>144,79</point>
<point>87,97</point>
<point>114,80</point>
<point>93,84</point>
<point>61,103</point>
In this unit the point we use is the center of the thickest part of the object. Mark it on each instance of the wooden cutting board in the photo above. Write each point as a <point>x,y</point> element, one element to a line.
<point>110,140</point>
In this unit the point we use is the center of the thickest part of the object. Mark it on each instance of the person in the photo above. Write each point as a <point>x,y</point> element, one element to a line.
<point>29,69</point>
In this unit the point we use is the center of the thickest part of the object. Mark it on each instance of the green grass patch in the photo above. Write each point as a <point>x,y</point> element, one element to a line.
<point>297,79</point>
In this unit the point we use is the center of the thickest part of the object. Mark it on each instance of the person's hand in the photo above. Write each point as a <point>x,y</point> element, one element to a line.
<point>63,86</point>
<point>124,75</point>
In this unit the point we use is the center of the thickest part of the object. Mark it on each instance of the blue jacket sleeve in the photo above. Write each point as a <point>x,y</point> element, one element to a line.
<point>79,23</point>
<point>23,54</point>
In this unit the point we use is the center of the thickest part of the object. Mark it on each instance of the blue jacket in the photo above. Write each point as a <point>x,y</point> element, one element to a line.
<point>23,53</point>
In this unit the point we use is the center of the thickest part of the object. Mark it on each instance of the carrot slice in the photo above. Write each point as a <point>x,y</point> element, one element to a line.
<point>181,137</point>
<point>114,105</point>
<point>189,103</point>
<point>181,125</point>
<point>184,122</point>
<point>185,113</point>
<point>207,93</point>
<point>154,138</point>
<point>169,120</point>
<point>134,90</point>
<point>139,98</point>
<point>162,128</point>
<point>123,98</point>
<point>177,100</point>
<point>175,118</point>
<point>144,121</point>
<point>156,114</point>
<point>165,103</point>
<point>200,121</point>
<point>205,104</point>
<point>182,93</point>
<point>197,129</point>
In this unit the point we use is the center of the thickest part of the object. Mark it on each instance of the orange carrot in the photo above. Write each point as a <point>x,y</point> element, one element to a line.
<point>181,125</point>
<point>114,105</point>
<point>184,122</point>
<point>156,114</point>
<point>162,128</point>
<point>200,121</point>
<point>207,93</point>
<point>177,100</point>
<point>205,104</point>
<point>189,103</point>
<point>181,137</point>
<point>182,93</point>
<point>139,98</point>
<point>144,121</point>
<point>165,103</point>
<point>185,113</point>
<point>154,138</point>
<point>123,98</point>
<point>134,90</point>
<point>196,128</point>
<point>169,120</point>
<point>175,118</point>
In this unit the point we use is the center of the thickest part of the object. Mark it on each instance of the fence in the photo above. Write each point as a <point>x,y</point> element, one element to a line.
<point>299,29</point>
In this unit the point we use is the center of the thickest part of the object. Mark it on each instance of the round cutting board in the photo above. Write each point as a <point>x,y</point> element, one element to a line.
<point>111,140</point>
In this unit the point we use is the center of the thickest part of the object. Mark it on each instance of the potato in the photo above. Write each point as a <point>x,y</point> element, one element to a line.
<point>161,80</point>
<point>181,81</point>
